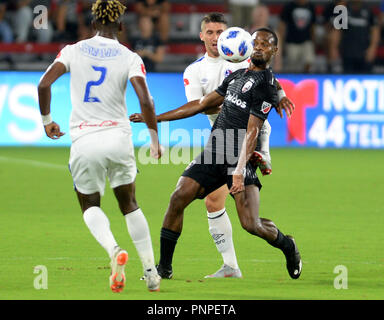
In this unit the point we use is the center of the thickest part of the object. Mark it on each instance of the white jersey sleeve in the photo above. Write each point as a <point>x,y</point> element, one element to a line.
<point>137,68</point>
<point>193,88</point>
<point>65,57</point>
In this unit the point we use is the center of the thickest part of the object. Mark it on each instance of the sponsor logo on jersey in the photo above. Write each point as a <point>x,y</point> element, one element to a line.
<point>266,107</point>
<point>248,85</point>
<point>235,100</point>
<point>186,82</point>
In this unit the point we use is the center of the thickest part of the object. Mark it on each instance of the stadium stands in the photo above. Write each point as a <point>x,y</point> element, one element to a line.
<point>184,45</point>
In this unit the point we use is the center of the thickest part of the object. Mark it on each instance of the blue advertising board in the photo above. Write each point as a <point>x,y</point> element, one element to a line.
<point>332,111</point>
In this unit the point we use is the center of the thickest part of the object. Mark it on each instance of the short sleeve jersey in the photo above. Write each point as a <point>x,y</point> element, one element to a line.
<point>205,75</point>
<point>245,92</point>
<point>100,68</point>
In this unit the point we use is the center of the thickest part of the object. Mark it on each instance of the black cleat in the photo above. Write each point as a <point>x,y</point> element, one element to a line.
<point>164,273</point>
<point>294,264</point>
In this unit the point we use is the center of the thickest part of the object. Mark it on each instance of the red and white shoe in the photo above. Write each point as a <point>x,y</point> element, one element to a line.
<point>117,278</point>
<point>263,161</point>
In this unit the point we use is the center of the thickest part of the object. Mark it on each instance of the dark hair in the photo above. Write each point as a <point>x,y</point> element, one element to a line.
<point>273,33</point>
<point>107,12</point>
<point>216,17</point>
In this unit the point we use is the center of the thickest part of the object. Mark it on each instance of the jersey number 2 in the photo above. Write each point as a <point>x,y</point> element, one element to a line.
<point>90,84</point>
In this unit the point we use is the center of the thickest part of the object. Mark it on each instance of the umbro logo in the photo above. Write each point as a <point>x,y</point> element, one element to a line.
<point>217,236</point>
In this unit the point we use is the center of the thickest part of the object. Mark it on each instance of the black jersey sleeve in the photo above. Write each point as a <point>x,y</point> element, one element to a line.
<point>264,96</point>
<point>222,89</point>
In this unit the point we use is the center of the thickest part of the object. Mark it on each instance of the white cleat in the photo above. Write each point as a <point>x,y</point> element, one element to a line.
<point>118,262</point>
<point>226,272</point>
<point>152,280</point>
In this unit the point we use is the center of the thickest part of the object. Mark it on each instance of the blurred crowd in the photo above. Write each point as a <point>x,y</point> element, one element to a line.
<point>348,45</point>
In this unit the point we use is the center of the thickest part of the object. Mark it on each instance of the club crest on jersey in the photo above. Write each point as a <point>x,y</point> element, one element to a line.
<point>266,107</point>
<point>248,85</point>
<point>227,72</point>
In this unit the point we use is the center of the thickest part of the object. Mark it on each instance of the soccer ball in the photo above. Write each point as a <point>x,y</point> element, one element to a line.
<point>235,44</point>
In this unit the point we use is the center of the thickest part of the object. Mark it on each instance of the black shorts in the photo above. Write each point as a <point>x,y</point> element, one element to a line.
<point>212,176</point>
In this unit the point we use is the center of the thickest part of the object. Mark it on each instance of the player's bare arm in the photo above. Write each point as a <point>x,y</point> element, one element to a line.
<point>148,113</point>
<point>284,103</point>
<point>211,100</point>
<point>52,129</point>
<point>247,148</point>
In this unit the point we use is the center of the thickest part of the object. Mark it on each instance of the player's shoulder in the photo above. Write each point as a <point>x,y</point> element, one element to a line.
<point>237,73</point>
<point>262,76</point>
<point>195,65</point>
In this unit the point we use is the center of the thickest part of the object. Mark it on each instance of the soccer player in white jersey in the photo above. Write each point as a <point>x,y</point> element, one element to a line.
<point>200,78</point>
<point>101,134</point>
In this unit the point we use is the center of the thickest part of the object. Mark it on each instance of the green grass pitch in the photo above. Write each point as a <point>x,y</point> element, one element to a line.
<point>331,200</point>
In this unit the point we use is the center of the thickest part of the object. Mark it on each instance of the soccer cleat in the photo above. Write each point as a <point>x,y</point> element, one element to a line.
<point>117,278</point>
<point>226,272</point>
<point>152,280</point>
<point>164,273</point>
<point>294,264</point>
<point>262,159</point>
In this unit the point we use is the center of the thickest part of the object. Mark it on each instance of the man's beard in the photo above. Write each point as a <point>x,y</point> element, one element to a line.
<point>258,61</point>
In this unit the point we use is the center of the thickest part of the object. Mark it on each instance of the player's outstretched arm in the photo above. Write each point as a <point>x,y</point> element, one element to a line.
<point>247,148</point>
<point>55,71</point>
<point>287,105</point>
<point>148,113</point>
<point>284,102</point>
<point>187,110</point>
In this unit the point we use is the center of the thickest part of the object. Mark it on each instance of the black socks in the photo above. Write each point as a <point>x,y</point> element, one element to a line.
<point>283,243</point>
<point>168,240</point>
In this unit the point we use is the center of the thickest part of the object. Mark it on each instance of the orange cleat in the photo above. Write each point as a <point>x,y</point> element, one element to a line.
<point>117,278</point>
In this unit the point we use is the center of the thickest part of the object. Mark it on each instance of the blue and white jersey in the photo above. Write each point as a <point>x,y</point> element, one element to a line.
<point>206,75</point>
<point>100,68</point>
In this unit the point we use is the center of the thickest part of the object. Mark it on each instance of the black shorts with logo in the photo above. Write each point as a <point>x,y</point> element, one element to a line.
<point>212,175</point>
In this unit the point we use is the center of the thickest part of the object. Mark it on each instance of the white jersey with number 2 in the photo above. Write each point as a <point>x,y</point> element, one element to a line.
<point>100,68</point>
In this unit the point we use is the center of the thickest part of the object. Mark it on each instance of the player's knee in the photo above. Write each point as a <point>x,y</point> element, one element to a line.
<point>214,204</point>
<point>247,224</point>
<point>215,201</point>
<point>128,205</point>
<point>177,202</point>
<point>252,225</point>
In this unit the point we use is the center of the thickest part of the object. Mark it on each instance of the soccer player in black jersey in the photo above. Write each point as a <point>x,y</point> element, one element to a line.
<point>247,96</point>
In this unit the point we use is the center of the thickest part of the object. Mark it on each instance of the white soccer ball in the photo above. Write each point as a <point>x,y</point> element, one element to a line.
<point>235,44</point>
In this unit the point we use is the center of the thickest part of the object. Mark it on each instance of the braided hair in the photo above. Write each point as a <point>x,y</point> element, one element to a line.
<point>107,12</point>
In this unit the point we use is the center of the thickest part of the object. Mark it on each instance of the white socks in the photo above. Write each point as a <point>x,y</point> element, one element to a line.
<point>263,139</point>
<point>220,229</point>
<point>98,223</point>
<point>138,229</point>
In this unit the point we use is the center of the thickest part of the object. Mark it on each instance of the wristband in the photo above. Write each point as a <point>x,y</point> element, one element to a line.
<point>281,94</point>
<point>47,119</point>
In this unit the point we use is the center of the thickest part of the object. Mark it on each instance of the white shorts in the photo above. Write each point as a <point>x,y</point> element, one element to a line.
<point>99,154</point>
